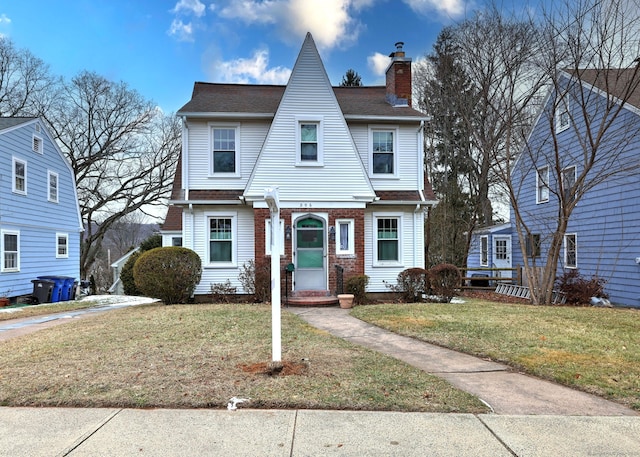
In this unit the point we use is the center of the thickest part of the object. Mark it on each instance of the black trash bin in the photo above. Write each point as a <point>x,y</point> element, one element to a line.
<point>43,290</point>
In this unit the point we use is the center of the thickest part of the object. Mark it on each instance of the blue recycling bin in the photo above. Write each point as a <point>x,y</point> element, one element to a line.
<point>58,286</point>
<point>67,288</point>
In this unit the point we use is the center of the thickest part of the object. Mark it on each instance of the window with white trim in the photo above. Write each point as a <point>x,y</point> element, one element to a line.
<point>10,250</point>
<point>62,245</point>
<point>52,185</point>
<point>542,184</point>
<point>221,247</point>
<point>176,241</point>
<point>37,144</point>
<point>571,250</point>
<point>19,181</point>
<point>563,118</point>
<point>569,177</point>
<point>387,242</point>
<point>484,251</point>
<point>225,149</point>
<point>383,151</point>
<point>267,237</point>
<point>533,245</point>
<point>345,239</point>
<point>309,141</point>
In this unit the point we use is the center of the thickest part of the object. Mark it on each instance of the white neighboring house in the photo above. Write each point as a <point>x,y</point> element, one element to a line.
<point>348,164</point>
<point>117,288</point>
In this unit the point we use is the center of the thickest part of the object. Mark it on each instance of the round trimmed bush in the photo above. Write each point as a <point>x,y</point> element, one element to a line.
<point>445,281</point>
<point>169,273</point>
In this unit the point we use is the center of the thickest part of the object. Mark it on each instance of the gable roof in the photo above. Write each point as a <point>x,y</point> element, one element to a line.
<point>622,83</point>
<point>8,122</point>
<point>218,99</point>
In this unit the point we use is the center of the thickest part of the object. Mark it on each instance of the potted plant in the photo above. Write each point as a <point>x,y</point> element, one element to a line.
<point>346,300</point>
<point>4,298</point>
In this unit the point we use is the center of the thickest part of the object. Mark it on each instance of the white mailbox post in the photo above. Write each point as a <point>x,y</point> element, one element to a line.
<point>273,202</point>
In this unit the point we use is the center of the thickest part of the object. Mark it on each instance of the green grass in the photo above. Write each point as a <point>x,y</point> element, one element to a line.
<point>197,356</point>
<point>593,349</point>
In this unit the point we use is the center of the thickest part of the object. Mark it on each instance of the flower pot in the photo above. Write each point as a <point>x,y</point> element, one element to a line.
<point>346,300</point>
<point>4,301</point>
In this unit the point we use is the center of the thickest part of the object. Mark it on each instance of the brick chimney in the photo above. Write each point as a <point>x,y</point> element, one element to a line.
<point>399,78</point>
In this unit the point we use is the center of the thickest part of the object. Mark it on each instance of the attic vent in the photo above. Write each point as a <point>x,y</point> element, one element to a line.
<point>37,144</point>
<point>38,128</point>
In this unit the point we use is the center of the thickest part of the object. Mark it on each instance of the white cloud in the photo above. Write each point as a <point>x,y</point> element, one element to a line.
<point>253,70</point>
<point>378,63</point>
<point>4,19</point>
<point>329,21</point>
<point>190,7</point>
<point>449,8</point>
<point>180,30</point>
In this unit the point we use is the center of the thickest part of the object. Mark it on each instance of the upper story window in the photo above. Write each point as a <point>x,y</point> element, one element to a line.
<point>563,119</point>
<point>484,251</point>
<point>53,186</point>
<point>569,177</point>
<point>19,182</point>
<point>225,154</point>
<point>387,240</point>
<point>10,250</point>
<point>542,185</point>
<point>345,244</point>
<point>221,247</point>
<point>571,250</point>
<point>62,245</point>
<point>37,144</point>
<point>384,150</point>
<point>309,144</point>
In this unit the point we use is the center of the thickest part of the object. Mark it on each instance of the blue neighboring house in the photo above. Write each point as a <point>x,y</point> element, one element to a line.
<point>490,247</point>
<point>40,222</point>
<point>603,233</point>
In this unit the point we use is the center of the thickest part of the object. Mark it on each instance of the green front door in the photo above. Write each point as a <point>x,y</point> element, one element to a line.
<point>310,254</point>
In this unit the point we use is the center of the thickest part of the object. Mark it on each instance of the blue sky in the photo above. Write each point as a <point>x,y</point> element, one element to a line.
<point>161,47</point>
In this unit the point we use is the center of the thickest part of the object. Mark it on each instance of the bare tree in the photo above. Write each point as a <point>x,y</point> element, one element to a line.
<point>122,149</point>
<point>584,44</point>
<point>26,84</point>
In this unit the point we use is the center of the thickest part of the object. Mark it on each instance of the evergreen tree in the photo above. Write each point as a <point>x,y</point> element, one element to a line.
<point>351,78</point>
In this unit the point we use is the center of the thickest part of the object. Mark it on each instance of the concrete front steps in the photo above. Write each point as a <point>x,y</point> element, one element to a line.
<point>310,298</point>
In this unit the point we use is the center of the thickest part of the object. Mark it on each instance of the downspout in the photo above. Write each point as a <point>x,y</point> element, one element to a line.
<point>185,157</point>
<point>416,221</point>
<point>193,228</point>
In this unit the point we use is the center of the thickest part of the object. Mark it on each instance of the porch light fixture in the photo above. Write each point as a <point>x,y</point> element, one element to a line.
<point>332,233</point>
<point>287,232</point>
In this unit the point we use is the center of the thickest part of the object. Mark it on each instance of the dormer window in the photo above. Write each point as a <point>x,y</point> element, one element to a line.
<point>225,150</point>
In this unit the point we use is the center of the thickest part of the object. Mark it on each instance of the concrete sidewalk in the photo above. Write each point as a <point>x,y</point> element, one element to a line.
<point>193,433</point>
<point>504,390</point>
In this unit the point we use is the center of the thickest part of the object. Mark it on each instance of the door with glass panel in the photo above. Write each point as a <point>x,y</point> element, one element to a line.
<point>310,254</point>
<point>502,255</point>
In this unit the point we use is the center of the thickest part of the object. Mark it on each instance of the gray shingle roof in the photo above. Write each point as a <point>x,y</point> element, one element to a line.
<point>7,122</point>
<point>264,100</point>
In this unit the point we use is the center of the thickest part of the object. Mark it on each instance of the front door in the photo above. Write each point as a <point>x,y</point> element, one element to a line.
<point>502,255</point>
<point>310,254</point>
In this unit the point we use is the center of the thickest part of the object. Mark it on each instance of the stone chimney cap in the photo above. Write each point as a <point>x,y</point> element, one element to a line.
<point>399,51</point>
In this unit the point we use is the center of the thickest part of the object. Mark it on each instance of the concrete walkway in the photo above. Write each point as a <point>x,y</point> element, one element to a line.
<point>504,390</point>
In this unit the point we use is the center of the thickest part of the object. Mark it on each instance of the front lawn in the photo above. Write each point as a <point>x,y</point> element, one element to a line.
<point>199,356</point>
<point>593,349</point>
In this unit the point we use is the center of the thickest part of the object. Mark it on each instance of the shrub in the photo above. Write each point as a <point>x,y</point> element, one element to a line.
<point>412,283</point>
<point>256,281</point>
<point>357,285</point>
<point>578,290</point>
<point>222,292</point>
<point>445,280</point>
<point>168,273</point>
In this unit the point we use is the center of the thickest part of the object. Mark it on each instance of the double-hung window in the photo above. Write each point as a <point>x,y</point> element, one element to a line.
<point>19,181</point>
<point>62,245</point>
<point>53,186</point>
<point>569,183</point>
<point>221,230</point>
<point>542,184</point>
<point>563,118</point>
<point>484,251</point>
<point>345,237</point>
<point>225,150</point>
<point>387,239</point>
<point>309,141</point>
<point>383,151</point>
<point>571,250</point>
<point>10,250</point>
